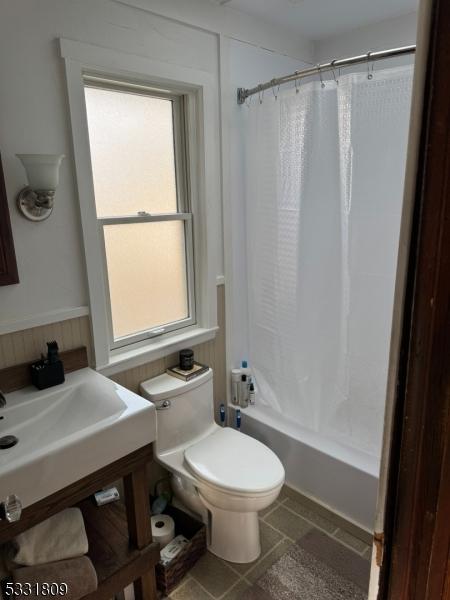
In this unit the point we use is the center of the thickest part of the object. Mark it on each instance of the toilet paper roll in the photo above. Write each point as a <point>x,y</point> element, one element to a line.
<point>163,529</point>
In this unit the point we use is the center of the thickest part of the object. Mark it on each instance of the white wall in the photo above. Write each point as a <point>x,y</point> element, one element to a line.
<point>230,22</point>
<point>391,33</point>
<point>34,118</point>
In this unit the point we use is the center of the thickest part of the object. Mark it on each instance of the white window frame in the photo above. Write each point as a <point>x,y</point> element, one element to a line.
<point>183,209</point>
<point>200,110</point>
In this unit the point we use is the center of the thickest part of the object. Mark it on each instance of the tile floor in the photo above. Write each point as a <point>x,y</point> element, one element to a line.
<point>281,525</point>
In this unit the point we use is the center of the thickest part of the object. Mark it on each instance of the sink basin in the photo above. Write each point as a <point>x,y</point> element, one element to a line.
<point>69,431</point>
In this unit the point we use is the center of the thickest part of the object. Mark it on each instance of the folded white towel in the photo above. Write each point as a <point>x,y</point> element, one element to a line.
<point>57,538</point>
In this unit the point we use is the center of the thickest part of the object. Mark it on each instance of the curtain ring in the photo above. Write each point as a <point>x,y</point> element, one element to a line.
<point>261,95</point>
<point>320,75</point>
<point>369,70</point>
<point>275,94</point>
<point>334,74</point>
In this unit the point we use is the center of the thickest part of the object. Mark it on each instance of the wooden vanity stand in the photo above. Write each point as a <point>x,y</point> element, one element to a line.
<point>119,534</point>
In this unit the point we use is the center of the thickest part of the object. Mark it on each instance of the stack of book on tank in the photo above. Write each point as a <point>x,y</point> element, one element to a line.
<point>184,375</point>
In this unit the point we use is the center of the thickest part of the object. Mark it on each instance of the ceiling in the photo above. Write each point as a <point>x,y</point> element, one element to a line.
<point>318,19</point>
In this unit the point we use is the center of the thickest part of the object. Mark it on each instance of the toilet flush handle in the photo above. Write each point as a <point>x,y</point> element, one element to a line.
<point>164,405</point>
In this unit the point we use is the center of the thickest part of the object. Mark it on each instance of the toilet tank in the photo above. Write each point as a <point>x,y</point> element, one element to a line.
<point>190,411</point>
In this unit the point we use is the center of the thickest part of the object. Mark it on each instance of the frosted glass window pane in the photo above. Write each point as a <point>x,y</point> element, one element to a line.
<point>147,275</point>
<point>132,152</point>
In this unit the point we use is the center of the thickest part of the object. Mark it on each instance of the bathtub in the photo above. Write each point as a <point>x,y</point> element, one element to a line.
<point>340,478</point>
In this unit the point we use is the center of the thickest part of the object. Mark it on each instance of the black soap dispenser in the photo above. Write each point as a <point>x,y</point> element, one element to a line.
<point>48,372</point>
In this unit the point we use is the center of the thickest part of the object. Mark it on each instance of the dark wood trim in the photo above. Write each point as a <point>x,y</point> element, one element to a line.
<point>19,376</point>
<point>8,262</point>
<point>128,574</point>
<point>138,510</point>
<point>417,524</point>
<point>120,540</point>
<point>76,492</point>
<point>116,561</point>
<point>139,526</point>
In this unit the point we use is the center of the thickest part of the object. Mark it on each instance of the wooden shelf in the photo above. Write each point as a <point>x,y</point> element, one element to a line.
<point>120,538</point>
<point>116,562</point>
<point>76,492</point>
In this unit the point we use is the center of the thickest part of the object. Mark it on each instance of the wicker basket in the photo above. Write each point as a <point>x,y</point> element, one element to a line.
<point>169,576</point>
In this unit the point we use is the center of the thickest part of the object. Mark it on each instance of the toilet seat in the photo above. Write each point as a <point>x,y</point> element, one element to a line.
<point>232,461</point>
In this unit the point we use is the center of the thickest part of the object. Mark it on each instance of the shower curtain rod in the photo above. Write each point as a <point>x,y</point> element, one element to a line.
<point>369,57</point>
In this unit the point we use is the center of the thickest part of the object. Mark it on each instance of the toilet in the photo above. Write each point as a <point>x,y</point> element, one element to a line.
<point>222,475</point>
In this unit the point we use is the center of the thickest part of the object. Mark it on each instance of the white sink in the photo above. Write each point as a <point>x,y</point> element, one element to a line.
<point>69,431</point>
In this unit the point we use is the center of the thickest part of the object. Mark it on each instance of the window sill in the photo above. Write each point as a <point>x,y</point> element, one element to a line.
<point>129,358</point>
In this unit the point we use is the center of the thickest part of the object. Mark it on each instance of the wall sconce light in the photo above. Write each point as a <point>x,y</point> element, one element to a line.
<point>35,201</point>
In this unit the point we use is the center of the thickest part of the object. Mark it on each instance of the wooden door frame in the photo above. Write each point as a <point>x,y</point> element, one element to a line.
<point>8,262</point>
<point>415,564</point>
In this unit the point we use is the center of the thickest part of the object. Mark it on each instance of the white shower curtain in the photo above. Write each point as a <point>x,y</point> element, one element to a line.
<point>325,171</point>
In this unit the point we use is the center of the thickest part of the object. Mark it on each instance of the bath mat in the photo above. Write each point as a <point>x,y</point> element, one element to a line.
<point>316,567</point>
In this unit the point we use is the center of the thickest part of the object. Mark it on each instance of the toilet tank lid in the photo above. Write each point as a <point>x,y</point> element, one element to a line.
<point>167,386</point>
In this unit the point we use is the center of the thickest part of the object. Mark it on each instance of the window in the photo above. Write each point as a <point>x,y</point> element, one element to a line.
<point>147,161</point>
<point>138,155</point>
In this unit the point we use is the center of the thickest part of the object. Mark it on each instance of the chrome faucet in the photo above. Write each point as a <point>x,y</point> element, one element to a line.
<point>2,399</point>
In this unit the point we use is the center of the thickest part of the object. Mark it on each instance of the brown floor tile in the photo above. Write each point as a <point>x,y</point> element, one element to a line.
<point>236,592</point>
<point>264,512</point>
<point>331,554</point>
<point>287,492</point>
<point>350,540</point>
<point>190,590</point>
<point>213,574</point>
<point>269,538</point>
<point>256,593</point>
<point>288,523</point>
<point>357,532</point>
<point>182,582</point>
<point>321,511</point>
<point>266,562</point>
<point>310,515</point>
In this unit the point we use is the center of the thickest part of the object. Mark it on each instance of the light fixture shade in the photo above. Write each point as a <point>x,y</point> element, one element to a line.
<point>42,170</point>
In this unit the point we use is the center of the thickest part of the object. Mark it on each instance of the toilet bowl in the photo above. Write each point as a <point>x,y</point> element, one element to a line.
<point>222,475</point>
